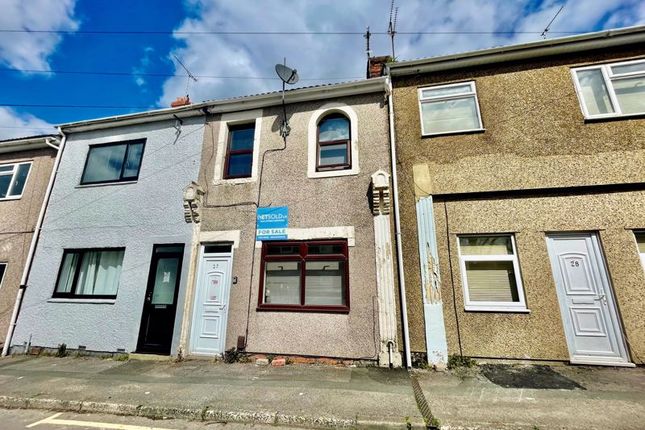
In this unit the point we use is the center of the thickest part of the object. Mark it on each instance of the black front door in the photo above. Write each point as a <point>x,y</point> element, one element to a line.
<point>160,305</point>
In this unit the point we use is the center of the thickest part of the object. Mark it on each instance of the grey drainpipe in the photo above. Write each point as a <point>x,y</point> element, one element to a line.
<point>32,247</point>
<point>397,229</point>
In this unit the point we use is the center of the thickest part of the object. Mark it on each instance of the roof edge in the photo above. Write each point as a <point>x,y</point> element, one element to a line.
<point>26,143</point>
<point>233,105</point>
<point>523,51</point>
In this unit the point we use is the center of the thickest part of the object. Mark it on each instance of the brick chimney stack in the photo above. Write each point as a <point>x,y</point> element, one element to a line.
<point>181,101</point>
<point>376,66</point>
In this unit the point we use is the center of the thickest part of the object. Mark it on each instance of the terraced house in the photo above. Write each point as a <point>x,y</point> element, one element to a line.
<point>110,267</point>
<point>292,251</point>
<point>524,210</point>
<point>214,226</point>
<point>25,171</point>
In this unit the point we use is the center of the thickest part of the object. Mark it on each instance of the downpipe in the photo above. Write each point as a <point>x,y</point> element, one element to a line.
<point>32,246</point>
<point>397,229</point>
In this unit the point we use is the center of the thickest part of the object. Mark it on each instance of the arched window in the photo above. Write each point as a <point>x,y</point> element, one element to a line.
<point>334,143</point>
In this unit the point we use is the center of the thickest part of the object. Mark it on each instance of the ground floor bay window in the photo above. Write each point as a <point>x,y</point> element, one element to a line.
<point>305,276</point>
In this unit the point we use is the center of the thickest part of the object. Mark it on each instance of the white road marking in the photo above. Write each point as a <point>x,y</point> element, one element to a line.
<point>44,421</point>
<point>54,421</point>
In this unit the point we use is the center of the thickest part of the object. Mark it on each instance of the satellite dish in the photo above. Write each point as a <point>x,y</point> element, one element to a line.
<point>287,74</point>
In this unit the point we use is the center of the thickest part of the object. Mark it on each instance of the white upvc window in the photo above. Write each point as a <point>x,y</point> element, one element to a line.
<point>640,241</point>
<point>490,272</point>
<point>452,108</point>
<point>13,178</point>
<point>611,90</point>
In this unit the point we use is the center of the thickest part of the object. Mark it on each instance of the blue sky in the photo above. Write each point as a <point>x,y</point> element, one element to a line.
<point>319,58</point>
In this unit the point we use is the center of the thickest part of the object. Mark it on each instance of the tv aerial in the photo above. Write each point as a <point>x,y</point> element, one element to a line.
<point>189,75</point>
<point>288,76</point>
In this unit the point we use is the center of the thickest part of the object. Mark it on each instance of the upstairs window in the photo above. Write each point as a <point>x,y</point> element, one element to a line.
<point>113,162</point>
<point>449,109</point>
<point>13,178</point>
<point>611,90</point>
<point>239,152</point>
<point>305,276</point>
<point>90,273</point>
<point>491,273</point>
<point>334,143</point>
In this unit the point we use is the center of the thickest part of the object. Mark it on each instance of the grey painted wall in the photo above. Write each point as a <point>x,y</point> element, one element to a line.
<point>134,215</point>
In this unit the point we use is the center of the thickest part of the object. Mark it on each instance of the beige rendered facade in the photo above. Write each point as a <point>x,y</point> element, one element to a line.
<point>535,171</point>
<point>20,205</point>
<point>324,205</point>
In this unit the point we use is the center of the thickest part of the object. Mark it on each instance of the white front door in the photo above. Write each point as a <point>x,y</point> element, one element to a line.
<point>586,300</point>
<point>208,334</point>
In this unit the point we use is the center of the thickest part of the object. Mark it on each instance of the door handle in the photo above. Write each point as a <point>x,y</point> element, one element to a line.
<point>602,297</point>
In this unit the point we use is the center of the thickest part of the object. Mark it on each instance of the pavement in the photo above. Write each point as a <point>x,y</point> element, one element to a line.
<point>485,397</point>
<point>19,419</point>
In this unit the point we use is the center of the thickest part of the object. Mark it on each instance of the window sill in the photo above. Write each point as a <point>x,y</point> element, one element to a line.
<point>302,309</point>
<point>490,309</point>
<point>333,173</point>
<point>591,119</point>
<point>86,301</point>
<point>11,198</point>
<point>106,184</point>
<point>235,181</point>
<point>451,133</point>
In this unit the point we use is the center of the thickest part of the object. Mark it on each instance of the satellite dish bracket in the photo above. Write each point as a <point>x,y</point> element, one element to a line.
<point>288,76</point>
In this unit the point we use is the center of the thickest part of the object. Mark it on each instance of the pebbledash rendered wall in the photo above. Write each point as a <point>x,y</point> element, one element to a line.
<point>131,215</point>
<point>538,168</point>
<point>314,203</point>
<point>17,222</point>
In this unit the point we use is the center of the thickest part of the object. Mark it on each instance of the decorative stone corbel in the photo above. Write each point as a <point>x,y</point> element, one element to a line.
<point>380,193</point>
<point>193,194</point>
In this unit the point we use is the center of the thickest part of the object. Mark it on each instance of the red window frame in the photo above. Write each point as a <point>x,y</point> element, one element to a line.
<point>230,152</point>
<point>347,142</point>
<point>302,256</point>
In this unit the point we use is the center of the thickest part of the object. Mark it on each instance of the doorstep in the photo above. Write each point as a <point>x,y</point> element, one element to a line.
<point>148,357</point>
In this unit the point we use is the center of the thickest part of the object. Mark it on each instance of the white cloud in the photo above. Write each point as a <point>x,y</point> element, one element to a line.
<point>328,56</point>
<point>14,124</point>
<point>142,67</point>
<point>32,50</point>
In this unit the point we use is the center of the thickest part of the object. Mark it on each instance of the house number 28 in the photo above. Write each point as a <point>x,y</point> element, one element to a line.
<point>575,263</point>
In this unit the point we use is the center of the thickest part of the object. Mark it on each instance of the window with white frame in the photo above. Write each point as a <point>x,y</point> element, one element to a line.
<point>449,108</point>
<point>13,178</point>
<point>609,90</point>
<point>640,241</point>
<point>490,273</point>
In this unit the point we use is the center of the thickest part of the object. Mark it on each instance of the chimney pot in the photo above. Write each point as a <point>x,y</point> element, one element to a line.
<point>180,101</point>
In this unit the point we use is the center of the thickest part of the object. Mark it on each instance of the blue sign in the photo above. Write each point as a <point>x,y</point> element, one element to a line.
<point>272,223</point>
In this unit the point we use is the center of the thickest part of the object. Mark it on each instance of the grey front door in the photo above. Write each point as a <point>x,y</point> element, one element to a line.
<point>587,304</point>
<point>210,312</point>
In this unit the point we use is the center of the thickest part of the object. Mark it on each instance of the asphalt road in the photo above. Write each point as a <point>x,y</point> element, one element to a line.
<point>20,419</point>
